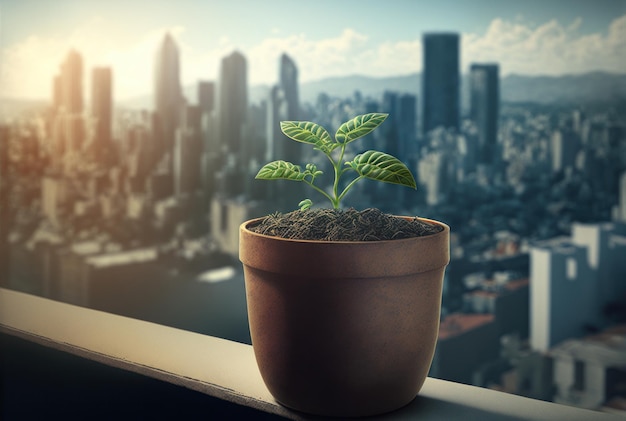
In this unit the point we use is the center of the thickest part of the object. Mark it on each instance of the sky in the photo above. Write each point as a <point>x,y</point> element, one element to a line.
<point>325,38</point>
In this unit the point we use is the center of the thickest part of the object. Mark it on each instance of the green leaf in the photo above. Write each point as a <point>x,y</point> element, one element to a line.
<point>308,132</point>
<point>281,170</point>
<point>305,204</point>
<point>383,167</point>
<point>359,126</point>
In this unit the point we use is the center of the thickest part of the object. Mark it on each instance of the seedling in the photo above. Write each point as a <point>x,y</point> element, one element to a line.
<point>370,164</point>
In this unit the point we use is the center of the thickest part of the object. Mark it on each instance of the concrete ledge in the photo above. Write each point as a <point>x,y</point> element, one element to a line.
<point>227,370</point>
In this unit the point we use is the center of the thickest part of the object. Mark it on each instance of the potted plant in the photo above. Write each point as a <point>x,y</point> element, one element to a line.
<point>343,327</point>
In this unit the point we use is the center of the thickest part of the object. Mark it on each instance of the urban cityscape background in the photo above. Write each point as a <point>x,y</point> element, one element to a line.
<point>133,207</point>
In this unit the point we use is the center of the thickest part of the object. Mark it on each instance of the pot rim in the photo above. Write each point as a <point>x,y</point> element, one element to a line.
<point>251,222</point>
<point>340,259</point>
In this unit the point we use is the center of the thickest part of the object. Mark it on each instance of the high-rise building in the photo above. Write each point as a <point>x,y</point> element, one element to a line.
<point>484,108</point>
<point>276,110</point>
<point>407,127</point>
<point>440,81</point>
<point>564,148</point>
<point>102,110</point>
<point>71,83</point>
<point>168,94</point>
<point>56,94</point>
<point>572,279</point>
<point>389,136</point>
<point>287,107</point>
<point>206,96</point>
<point>69,125</point>
<point>232,108</point>
<point>232,102</point>
<point>289,85</point>
<point>188,152</point>
<point>282,105</point>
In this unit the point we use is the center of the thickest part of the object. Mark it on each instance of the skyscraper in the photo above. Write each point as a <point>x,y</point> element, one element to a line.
<point>168,95</point>
<point>206,96</point>
<point>440,81</point>
<point>232,107</point>
<point>72,83</point>
<point>188,152</point>
<point>276,110</point>
<point>232,101</point>
<point>289,85</point>
<point>287,101</point>
<point>484,111</point>
<point>283,104</point>
<point>68,101</point>
<point>101,110</point>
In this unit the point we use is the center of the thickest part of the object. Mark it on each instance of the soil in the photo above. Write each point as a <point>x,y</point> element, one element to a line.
<point>342,225</point>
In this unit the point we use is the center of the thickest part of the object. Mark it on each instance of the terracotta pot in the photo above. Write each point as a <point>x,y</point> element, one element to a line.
<point>343,328</point>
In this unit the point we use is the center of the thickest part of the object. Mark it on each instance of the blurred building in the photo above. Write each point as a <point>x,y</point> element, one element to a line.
<point>439,164</point>
<point>288,82</point>
<point>6,213</point>
<point>232,106</point>
<point>167,91</point>
<point>206,96</point>
<point>283,104</point>
<point>565,146</point>
<point>227,214</point>
<point>102,112</point>
<point>619,211</point>
<point>440,81</point>
<point>69,123</point>
<point>188,151</point>
<point>466,341</point>
<point>71,84</point>
<point>572,279</point>
<point>506,299</point>
<point>591,371</point>
<point>232,102</point>
<point>484,108</point>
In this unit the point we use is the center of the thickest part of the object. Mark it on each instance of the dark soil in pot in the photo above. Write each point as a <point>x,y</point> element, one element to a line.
<point>342,225</point>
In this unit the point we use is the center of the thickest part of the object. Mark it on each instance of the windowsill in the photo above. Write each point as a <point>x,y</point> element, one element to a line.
<point>227,370</point>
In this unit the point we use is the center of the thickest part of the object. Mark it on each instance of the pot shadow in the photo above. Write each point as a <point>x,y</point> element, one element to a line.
<point>426,408</point>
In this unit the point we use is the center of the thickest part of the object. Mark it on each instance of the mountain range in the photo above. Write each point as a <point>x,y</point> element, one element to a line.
<point>595,87</point>
<point>587,88</point>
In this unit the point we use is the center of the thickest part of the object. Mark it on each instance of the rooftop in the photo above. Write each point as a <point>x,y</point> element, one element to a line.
<point>458,323</point>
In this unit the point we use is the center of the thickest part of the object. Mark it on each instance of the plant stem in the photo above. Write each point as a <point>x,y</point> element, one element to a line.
<point>321,191</point>
<point>348,187</point>
<point>338,172</point>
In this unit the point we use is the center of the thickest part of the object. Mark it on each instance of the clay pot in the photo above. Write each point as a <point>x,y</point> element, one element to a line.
<point>343,328</point>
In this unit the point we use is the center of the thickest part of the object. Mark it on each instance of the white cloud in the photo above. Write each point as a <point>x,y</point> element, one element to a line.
<point>350,52</point>
<point>27,67</point>
<point>548,49</point>
<point>315,58</point>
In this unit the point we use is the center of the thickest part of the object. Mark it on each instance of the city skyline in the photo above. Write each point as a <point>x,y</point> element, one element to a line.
<point>132,210</point>
<point>377,40</point>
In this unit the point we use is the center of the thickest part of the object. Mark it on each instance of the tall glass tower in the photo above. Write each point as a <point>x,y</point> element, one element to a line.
<point>289,85</point>
<point>485,104</point>
<point>440,81</point>
<point>168,96</point>
<point>101,107</point>
<point>71,81</point>
<point>232,116</point>
<point>232,102</point>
